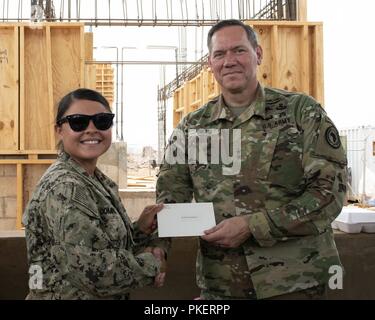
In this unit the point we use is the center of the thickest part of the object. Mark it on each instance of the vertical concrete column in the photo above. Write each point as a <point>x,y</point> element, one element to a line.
<point>122,165</point>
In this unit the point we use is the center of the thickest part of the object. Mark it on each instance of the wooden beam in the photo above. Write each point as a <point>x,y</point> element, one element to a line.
<point>82,56</point>
<point>22,89</point>
<point>302,10</point>
<point>27,161</point>
<point>27,152</point>
<point>319,64</point>
<point>17,68</point>
<point>89,44</point>
<point>305,63</point>
<point>19,196</point>
<point>50,85</point>
<point>274,56</point>
<point>9,87</point>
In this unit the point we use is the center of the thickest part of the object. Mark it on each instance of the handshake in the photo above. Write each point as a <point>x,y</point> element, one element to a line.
<point>147,224</point>
<point>160,255</point>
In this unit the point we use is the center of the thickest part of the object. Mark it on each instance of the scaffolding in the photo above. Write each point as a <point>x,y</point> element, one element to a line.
<point>167,13</point>
<point>145,12</point>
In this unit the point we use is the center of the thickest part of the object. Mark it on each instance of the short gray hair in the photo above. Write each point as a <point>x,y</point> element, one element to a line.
<point>250,32</point>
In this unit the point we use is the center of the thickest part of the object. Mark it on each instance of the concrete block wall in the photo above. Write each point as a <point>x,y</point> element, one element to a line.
<point>135,200</point>
<point>8,193</point>
<point>114,163</point>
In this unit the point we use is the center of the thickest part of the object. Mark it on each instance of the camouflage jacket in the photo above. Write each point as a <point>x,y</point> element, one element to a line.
<point>80,237</point>
<point>291,185</point>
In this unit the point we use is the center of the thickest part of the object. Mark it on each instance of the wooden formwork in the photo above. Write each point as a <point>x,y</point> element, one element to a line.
<point>213,88</point>
<point>9,79</point>
<point>180,103</point>
<point>292,60</point>
<point>44,62</point>
<point>38,65</point>
<point>293,56</point>
<point>195,92</point>
<point>105,81</point>
<point>28,170</point>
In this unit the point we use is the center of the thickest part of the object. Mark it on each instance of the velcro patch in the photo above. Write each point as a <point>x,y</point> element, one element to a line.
<point>332,137</point>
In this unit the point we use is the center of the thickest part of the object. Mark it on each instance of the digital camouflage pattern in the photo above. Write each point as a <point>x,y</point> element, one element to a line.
<point>78,232</point>
<point>291,186</point>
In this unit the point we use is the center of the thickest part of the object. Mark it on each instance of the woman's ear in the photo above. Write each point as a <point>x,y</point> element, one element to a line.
<point>58,130</point>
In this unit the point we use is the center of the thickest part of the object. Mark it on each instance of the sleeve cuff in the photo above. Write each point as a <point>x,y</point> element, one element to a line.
<point>151,265</point>
<point>260,229</point>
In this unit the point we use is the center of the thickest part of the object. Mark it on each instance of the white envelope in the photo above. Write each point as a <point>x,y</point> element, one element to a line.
<point>185,219</point>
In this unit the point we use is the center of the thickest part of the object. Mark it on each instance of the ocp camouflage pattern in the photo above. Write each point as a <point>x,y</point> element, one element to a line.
<point>291,186</point>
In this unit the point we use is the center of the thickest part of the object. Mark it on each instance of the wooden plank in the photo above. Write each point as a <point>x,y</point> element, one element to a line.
<point>176,114</point>
<point>50,109</point>
<point>9,99</point>
<point>274,51</point>
<point>19,196</point>
<point>82,56</point>
<point>304,44</point>
<point>281,23</point>
<point>302,10</point>
<point>90,76</point>
<point>37,121</point>
<point>186,98</point>
<point>27,161</point>
<point>22,143</point>
<point>264,73</point>
<point>204,73</point>
<point>288,59</point>
<point>212,85</point>
<point>89,46</point>
<point>40,25</point>
<point>318,64</point>
<point>67,53</point>
<point>27,152</point>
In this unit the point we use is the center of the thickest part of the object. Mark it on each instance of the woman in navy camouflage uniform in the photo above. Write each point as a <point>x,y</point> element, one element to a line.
<point>81,243</point>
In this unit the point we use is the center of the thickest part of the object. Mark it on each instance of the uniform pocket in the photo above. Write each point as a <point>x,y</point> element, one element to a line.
<point>114,226</point>
<point>262,153</point>
<point>286,164</point>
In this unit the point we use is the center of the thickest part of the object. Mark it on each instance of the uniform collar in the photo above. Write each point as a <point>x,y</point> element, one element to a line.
<point>95,179</point>
<point>65,157</point>
<point>257,107</point>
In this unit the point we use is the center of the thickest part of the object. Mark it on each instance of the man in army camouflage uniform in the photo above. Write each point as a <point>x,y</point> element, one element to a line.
<point>273,237</point>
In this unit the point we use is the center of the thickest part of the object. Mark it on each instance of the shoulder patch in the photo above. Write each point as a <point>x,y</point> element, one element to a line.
<point>332,137</point>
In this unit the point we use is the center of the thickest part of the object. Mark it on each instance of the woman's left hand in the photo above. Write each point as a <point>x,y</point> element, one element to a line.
<point>147,220</point>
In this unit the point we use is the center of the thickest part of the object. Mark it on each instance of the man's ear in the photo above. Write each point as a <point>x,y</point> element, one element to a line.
<point>209,61</point>
<point>259,53</point>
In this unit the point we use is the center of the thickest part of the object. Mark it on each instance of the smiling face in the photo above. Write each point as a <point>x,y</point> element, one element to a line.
<point>86,146</point>
<point>233,59</point>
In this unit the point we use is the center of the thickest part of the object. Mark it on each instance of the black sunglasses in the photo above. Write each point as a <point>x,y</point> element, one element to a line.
<point>80,122</point>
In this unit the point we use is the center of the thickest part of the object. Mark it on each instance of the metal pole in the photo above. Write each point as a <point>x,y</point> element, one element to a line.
<point>122,93</point>
<point>176,56</point>
<point>364,171</point>
<point>69,9</point>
